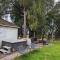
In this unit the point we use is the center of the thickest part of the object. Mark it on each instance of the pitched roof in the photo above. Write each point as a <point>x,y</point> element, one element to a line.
<point>7,24</point>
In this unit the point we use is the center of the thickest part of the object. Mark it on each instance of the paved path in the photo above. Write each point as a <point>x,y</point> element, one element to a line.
<point>10,57</point>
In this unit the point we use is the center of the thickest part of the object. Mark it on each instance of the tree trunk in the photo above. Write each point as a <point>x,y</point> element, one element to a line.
<point>24,33</point>
<point>53,36</point>
<point>42,37</point>
<point>34,34</point>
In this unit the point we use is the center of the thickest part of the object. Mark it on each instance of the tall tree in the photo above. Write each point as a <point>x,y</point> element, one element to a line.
<point>36,11</point>
<point>18,14</point>
<point>26,5</point>
<point>34,15</point>
<point>54,14</point>
<point>37,15</point>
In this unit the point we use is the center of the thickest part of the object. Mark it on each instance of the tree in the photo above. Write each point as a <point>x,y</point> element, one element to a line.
<point>54,15</point>
<point>18,14</point>
<point>34,16</point>
<point>26,5</point>
<point>4,5</point>
<point>36,13</point>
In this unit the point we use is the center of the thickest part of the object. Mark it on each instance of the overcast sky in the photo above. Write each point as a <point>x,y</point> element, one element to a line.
<point>56,0</point>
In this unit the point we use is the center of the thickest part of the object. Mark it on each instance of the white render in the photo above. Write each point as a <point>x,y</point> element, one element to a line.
<point>7,17</point>
<point>8,34</point>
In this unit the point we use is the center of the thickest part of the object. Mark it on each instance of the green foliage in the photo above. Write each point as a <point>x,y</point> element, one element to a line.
<point>4,4</point>
<point>36,13</point>
<point>18,13</point>
<point>18,10</point>
<point>55,14</point>
<point>25,3</point>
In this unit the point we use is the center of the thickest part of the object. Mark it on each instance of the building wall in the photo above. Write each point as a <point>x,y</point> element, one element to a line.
<point>8,34</point>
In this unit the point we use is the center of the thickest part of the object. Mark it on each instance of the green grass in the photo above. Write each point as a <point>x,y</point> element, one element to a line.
<point>50,52</point>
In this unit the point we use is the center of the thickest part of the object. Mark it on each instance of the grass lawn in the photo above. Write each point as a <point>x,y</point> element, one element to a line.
<point>50,52</point>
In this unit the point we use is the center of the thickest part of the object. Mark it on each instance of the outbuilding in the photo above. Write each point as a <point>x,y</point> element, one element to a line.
<point>8,31</point>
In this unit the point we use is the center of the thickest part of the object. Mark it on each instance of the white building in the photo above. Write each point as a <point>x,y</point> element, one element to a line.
<point>7,17</point>
<point>8,31</point>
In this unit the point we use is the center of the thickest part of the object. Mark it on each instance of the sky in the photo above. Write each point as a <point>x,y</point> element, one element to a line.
<point>56,0</point>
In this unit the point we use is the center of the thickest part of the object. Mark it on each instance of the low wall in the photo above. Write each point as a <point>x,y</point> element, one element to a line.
<point>14,45</point>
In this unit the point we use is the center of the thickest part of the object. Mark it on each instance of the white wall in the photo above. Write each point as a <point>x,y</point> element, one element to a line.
<point>8,34</point>
<point>7,17</point>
